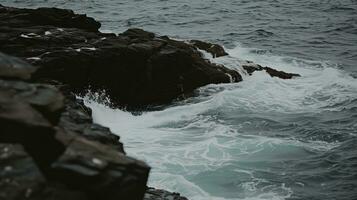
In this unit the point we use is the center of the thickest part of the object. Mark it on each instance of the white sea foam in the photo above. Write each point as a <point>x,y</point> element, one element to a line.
<point>29,35</point>
<point>194,147</point>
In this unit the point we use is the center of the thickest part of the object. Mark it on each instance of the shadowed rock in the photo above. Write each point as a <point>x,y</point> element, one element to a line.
<point>77,119</point>
<point>20,178</point>
<point>12,67</point>
<point>65,155</point>
<point>252,67</point>
<point>155,194</point>
<point>137,68</point>
<point>101,171</point>
<point>214,49</point>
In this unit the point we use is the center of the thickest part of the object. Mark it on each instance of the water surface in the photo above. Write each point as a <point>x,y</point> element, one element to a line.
<point>263,138</point>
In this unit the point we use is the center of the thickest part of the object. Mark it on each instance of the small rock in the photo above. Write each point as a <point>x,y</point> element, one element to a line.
<point>251,67</point>
<point>214,49</point>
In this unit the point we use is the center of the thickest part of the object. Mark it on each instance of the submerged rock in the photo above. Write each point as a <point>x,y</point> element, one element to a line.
<point>155,194</point>
<point>252,67</point>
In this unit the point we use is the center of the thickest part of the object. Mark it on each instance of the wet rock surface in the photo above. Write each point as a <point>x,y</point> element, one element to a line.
<point>51,149</point>
<point>136,67</point>
<point>214,49</point>
<point>252,67</point>
<point>155,194</point>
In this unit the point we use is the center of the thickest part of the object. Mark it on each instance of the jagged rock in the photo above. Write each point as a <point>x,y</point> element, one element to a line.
<point>214,49</point>
<point>101,171</point>
<point>156,194</point>
<point>252,67</point>
<point>21,179</point>
<point>48,16</point>
<point>58,162</point>
<point>19,175</point>
<point>12,67</point>
<point>77,119</point>
<point>21,123</point>
<point>137,68</point>
<point>280,74</point>
<point>44,98</point>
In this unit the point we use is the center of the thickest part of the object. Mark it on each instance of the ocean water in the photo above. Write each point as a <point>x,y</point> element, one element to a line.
<point>263,138</point>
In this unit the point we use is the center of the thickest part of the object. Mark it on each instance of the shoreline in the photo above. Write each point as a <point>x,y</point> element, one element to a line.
<point>50,146</point>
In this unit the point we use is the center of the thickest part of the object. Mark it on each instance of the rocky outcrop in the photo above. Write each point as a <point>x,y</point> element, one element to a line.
<point>155,194</point>
<point>214,49</point>
<point>251,67</point>
<point>50,148</point>
<point>136,67</point>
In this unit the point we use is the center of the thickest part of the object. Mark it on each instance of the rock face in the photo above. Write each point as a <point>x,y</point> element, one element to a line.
<point>214,49</point>
<point>252,67</point>
<point>50,148</point>
<point>136,67</point>
<point>154,194</point>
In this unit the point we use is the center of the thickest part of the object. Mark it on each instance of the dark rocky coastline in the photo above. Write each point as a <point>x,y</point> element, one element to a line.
<point>49,146</point>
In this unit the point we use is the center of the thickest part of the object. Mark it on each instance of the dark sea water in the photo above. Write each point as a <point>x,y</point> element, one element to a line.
<point>263,138</point>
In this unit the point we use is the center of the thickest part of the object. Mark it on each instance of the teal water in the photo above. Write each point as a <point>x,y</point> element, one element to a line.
<point>263,138</point>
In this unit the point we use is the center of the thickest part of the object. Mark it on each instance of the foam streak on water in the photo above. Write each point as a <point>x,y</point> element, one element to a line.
<point>263,138</point>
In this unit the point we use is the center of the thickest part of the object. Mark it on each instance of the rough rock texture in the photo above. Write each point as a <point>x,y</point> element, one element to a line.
<point>252,67</point>
<point>59,152</point>
<point>21,179</point>
<point>136,67</point>
<point>155,194</point>
<point>214,49</point>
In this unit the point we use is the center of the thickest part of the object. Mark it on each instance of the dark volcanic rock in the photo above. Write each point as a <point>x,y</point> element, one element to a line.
<point>21,179</point>
<point>252,67</point>
<point>12,67</point>
<point>214,49</point>
<point>65,155</point>
<point>21,123</point>
<point>47,16</point>
<point>155,194</point>
<point>19,175</point>
<point>77,119</point>
<point>44,98</point>
<point>101,171</point>
<point>136,68</point>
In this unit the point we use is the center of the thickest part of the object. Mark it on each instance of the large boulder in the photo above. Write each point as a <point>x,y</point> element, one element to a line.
<point>59,152</point>
<point>137,68</point>
<point>100,171</point>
